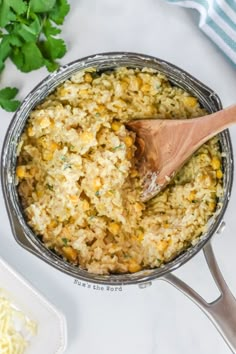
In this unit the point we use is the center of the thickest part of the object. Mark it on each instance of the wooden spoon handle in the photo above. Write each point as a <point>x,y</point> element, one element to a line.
<point>214,123</point>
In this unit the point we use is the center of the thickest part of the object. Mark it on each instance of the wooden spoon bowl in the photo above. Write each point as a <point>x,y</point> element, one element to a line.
<point>164,145</point>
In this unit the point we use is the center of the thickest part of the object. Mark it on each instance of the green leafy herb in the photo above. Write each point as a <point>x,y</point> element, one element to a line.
<point>71,147</point>
<point>28,37</point>
<point>97,193</point>
<point>28,57</point>
<point>7,101</point>
<point>59,11</point>
<point>117,147</point>
<point>49,186</point>
<point>42,5</point>
<point>65,241</point>
<point>66,166</point>
<point>63,158</point>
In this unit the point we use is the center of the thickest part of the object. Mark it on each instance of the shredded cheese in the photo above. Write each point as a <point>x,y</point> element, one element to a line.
<point>16,329</point>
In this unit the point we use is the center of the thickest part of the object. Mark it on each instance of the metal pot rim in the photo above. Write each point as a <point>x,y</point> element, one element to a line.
<point>21,231</point>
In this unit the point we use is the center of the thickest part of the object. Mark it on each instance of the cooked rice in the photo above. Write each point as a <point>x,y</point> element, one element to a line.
<point>77,179</point>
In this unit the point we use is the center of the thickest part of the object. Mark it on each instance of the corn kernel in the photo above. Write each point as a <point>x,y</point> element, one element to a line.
<point>128,141</point>
<point>52,121</point>
<point>21,171</point>
<point>114,228</point>
<point>63,91</point>
<point>212,206</point>
<point>145,88</point>
<point>191,196</point>
<point>33,170</point>
<point>54,146</point>
<point>115,126</point>
<point>134,267</point>
<point>52,224</point>
<point>86,205</point>
<point>140,235</point>
<point>124,86</point>
<point>44,122</point>
<point>83,92</point>
<point>133,173</point>
<point>139,81</point>
<point>97,183</point>
<point>86,137</point>
<point>30,131</point>
<point>162,245</point>
<point>138,207</point>
<point>88,78</point>
<point>70,253</point>
<point>74,198</point>
<point>129,154</point>
<point>215,163</point>
<point>100,108</point>
<point>39,193</point>
<point>219,174</point>
<point>47,155</point>
<point>190,101</point>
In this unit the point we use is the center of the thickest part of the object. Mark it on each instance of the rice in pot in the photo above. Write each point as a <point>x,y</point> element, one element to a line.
<point>77,180</point>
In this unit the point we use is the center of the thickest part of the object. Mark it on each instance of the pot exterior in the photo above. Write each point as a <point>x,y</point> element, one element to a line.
<point>107,61</point>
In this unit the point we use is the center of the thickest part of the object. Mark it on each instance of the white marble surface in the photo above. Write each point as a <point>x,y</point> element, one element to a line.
<point>158,319</point>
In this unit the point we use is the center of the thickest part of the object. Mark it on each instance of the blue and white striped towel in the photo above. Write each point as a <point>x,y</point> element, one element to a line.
<point>218,21</point>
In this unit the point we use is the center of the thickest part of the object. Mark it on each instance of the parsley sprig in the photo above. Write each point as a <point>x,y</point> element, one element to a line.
<point>28,37</point>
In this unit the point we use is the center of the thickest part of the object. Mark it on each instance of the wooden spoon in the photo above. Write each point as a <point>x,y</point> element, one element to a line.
<point>164,145</point>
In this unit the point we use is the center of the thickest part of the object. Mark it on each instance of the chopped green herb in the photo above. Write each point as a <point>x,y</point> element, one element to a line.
<point>49,186</point>
<point>63,158</point>
<point>95,74</point>
<point>71,147</point>
<point>97,193</point>
<point>66,166</point>
<point>118,147</point>
<point>97,114</point>
<point>65,241</point>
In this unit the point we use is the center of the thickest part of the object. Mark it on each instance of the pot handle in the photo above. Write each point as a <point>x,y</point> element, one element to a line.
<point>222,311</point>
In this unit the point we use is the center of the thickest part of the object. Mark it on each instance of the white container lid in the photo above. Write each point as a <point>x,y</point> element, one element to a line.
<point>51,337</point>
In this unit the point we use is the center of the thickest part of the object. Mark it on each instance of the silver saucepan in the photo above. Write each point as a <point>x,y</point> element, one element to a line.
<point>222,312</point>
